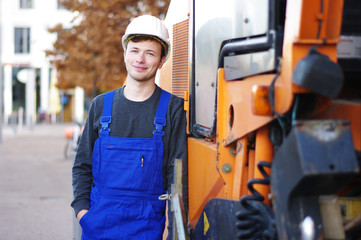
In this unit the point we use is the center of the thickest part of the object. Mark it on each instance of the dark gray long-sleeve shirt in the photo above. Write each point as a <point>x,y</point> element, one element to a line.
<point>133,120</point>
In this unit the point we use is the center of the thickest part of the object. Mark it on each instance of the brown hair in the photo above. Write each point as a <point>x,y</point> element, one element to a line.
<point>138,38</point>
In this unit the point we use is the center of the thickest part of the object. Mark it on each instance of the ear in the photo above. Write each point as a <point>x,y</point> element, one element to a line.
<point>162,61</point>
<point>124,53</point>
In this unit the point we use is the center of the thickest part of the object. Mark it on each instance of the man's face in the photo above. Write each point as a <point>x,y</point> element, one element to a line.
<point>143,59</point>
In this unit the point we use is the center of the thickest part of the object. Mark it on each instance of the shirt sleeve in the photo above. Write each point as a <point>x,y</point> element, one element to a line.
<point>177,142</point>
<point>177,150</point>
<point>82,177</point>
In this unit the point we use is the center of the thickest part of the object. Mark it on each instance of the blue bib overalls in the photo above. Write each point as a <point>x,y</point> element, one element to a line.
<point>127,176</point>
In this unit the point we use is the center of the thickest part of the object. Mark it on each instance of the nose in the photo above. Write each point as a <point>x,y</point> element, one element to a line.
<point>140,57</point>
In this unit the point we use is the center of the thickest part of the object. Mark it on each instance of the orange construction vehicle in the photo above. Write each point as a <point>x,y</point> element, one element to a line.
<point>272,89</point>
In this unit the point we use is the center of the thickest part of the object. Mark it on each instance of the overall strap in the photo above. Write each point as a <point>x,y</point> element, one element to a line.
<point>160,116</point>
<point>106,117</point>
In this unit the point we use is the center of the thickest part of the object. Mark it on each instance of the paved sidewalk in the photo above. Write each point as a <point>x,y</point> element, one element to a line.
<point>35,184</point>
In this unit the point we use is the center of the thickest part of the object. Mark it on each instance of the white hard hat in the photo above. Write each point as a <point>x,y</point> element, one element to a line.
<point>148,25</point>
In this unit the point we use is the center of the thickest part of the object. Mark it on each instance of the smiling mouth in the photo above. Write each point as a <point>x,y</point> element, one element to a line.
<point>138,68</point>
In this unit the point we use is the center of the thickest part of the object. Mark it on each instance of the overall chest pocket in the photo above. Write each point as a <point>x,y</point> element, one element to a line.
<point>127,155</point>
<point>129,167</point>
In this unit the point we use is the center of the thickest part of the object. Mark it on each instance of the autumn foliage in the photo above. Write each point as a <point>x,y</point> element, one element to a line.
<point>90,54</point>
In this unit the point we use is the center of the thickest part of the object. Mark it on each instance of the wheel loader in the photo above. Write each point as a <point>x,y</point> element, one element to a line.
<point>272,91</point>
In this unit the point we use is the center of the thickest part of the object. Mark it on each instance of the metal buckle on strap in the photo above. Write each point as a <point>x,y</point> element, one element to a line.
<point>165,197</point>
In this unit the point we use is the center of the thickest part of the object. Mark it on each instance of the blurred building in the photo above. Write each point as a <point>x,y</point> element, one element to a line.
<point>27,80</point>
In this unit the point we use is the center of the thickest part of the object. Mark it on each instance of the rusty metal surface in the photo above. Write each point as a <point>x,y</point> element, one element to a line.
<point>325,146</point>
<point>324,131</point>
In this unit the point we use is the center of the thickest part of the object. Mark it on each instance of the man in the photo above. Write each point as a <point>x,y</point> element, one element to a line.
<point>131,138</point>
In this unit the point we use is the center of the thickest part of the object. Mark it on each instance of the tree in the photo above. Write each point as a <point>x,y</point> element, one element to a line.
<point>90,54</point>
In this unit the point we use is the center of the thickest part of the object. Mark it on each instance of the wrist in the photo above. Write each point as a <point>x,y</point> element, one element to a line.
<point>81,213</point>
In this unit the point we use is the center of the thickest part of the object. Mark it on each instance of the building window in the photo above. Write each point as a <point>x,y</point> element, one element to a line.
<point>26,4</point>
<point>22,40</point>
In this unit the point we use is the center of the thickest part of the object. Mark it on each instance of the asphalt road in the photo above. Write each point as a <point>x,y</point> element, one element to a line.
<point>35,184</point>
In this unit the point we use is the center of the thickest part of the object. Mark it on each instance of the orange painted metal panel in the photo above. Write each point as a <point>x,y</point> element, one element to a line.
<point>263,152</point>
<point>203,176</point>
<point>240,169</point>
<point>301,32</point>
<point>251,167</point>
<point>237,95</point>
<point>319,24</point>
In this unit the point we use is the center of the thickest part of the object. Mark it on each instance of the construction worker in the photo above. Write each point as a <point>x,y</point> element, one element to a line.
<point>131,138</point>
